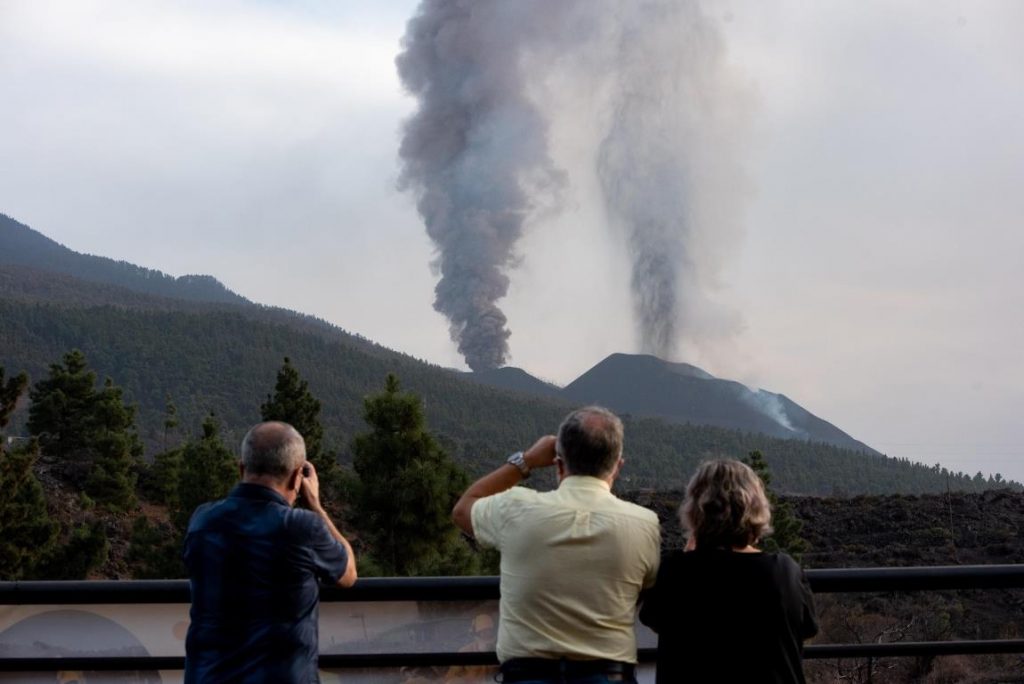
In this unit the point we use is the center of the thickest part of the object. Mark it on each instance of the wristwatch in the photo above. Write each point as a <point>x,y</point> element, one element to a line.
<point>519,462</point>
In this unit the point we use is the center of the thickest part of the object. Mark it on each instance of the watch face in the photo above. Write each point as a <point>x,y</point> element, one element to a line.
<point>519,462</point>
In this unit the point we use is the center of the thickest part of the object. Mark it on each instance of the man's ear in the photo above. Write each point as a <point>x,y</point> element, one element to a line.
<point>295,481</point>
<point>241,470</point>
<point>618,468</point>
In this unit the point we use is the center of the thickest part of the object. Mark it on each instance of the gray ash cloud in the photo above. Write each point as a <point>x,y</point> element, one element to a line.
<point>476,153</point>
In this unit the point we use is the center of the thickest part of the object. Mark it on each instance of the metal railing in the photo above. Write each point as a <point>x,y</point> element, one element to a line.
<point>849,580</point>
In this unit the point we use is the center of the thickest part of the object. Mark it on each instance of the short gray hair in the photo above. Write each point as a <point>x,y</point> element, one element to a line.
<point>726,505</point>
<point>273,448</point>
<point>590,441</point>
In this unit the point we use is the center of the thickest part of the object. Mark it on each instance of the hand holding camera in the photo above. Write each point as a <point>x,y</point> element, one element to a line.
<point>310,487</point>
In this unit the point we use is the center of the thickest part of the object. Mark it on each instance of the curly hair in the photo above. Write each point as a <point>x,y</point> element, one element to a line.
<point>725,506</point>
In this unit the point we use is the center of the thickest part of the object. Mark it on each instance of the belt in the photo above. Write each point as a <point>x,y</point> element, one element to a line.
<point>524,669</point>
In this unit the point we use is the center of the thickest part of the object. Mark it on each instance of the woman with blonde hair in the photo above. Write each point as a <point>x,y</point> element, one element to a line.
<point>724,610</point>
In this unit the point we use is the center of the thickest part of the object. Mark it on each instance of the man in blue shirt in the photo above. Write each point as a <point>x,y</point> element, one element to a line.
<point>254,563</point>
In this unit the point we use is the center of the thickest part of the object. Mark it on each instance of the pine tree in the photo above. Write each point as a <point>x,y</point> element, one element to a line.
<point>787,526</point>
<point>61,409</point>
<point>162,478</point>
<point>85,550</point>
<point>158,482</point>
<point>10,392</point>
<point>208,471</point>
<point>407,487</point>
<point>155,551</point>
<point>198,471</point>
<point>170,419</point>
<point>293,403</point>
<point>91,432</point>
<point>27,533</point>
<point>117,452</point>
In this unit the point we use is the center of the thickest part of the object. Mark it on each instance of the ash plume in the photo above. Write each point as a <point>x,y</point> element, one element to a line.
<point>476,151</point>
<point>667,167</point>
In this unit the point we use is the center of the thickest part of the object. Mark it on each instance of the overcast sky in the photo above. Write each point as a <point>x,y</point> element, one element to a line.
<point>878,281</point>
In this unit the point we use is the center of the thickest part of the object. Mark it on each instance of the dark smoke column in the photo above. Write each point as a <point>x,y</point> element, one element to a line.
<point>468,153</point>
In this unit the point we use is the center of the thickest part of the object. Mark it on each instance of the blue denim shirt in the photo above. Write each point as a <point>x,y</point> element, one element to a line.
<point>254,563</point>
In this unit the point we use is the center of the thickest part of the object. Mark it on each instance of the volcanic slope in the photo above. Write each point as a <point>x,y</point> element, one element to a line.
<point>222,356</point>
<point>646,385</point>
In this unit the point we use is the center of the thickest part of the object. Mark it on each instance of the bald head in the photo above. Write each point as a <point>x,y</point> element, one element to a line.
<point>590,441</point>
<point>272,449</point>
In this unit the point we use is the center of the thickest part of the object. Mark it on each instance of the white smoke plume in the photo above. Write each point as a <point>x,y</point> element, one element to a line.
<point>476,150</point>
<point>667,165</point>
<point>770,405</point>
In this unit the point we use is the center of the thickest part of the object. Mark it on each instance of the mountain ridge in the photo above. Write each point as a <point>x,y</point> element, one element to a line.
<point>644,385</point>
<point>222,356</point>
<point>25,246</point>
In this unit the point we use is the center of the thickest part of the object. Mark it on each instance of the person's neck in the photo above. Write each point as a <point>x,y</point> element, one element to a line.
<point>746,549</point>
<point>609,479</point>
<point>271,483</point>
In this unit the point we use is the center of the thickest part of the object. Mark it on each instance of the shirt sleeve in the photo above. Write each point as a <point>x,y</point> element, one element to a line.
<point>653,598</point>
<point>330,559</point>
<point>801,589</point>
<point>809,626</point>
<point>654,556</point>
<point>486,516</point>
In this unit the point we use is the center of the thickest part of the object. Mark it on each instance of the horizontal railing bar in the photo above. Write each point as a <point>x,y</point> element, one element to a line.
<point>917,578</point>
<point>394,660</point>
<point>123,592</point>
<point>486,588</point>
<point>177,591</point>
<point>923,578</point>
<point>92,663</point>
<point>914,648</point>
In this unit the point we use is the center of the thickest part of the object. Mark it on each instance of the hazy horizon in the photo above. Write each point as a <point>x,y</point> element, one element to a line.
<point>878,279</point>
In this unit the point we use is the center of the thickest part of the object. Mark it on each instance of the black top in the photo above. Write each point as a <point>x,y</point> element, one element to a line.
<point>254,562</point>
<point>724,616</point>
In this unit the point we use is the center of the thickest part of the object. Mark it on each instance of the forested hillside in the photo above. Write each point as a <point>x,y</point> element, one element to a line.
<point>225,361</point>
<point>191,342</point>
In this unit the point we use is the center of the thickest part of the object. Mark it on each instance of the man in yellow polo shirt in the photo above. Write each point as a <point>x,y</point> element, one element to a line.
<point>573,560</point>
